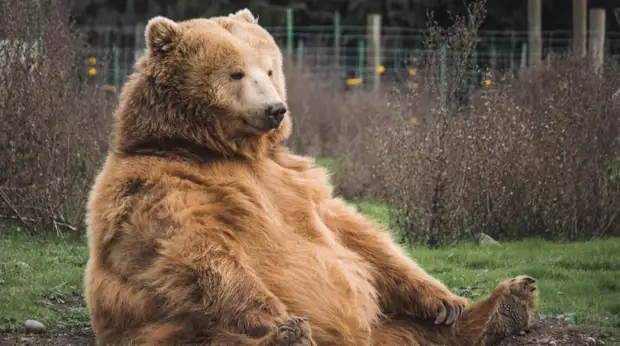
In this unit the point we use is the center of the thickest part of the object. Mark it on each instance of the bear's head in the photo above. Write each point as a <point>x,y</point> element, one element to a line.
<point>205,84</point>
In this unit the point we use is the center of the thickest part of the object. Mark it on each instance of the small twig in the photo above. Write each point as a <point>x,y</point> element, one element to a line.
<point>602,230</point>
<point>57,223</point>
<point>56,228</point>
<point>5,198</point>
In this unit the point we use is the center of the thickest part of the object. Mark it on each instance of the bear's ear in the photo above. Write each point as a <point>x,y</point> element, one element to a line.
<point>161,34</point>
<point>245,15</point>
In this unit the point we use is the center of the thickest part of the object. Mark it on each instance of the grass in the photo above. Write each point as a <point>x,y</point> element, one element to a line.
<point>328,162</point>
<point>42,279</point>
<point>379,212</point>
<point>580,282</point>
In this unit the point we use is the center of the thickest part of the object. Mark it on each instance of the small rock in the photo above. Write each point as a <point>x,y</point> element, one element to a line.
<point>485,239</point>
<point>522,332</point>
<point>552,342</point>
<point>23,264</point>
<point>33,326</point>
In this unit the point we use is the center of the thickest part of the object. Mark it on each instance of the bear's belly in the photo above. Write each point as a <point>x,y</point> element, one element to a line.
<point>326,282</point>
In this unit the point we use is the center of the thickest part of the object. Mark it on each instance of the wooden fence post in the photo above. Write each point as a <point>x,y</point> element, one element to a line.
<point>534,18</point>
<point>580,19</point>
<point>597,38</point>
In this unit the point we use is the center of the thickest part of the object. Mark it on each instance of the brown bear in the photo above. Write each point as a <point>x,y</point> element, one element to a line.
<point>204,229</point>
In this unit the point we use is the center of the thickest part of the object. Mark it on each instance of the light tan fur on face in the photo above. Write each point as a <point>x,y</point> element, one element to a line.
<point>204,232</point>
<point>259,40</point>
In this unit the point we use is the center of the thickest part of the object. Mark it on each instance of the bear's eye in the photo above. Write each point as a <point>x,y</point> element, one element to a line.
<point>237,75</point>
<point>270,73</point>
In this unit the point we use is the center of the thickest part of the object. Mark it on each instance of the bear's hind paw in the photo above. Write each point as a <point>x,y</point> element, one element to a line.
<point>295,332</point>
<point>521,285</point>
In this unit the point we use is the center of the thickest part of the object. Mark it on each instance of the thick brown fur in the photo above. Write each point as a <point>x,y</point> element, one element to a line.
<point>204,229</point>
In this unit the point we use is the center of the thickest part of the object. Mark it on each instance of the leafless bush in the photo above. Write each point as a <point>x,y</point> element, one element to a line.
<point>531,156</point>
<point>425,209</point>
<point>540,154</point>
<point>54,124</point>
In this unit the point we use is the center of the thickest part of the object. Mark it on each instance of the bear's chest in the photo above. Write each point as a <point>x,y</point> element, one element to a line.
<point>291,201</point>
<point>304,263</point>
<point>314,275</point>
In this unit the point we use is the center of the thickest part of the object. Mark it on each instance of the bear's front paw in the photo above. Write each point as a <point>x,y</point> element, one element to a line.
<point>444,307</point>
<point>295,332</point>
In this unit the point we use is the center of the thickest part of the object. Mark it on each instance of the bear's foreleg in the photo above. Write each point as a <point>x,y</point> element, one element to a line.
<point>404,287</point>
<point>202,275</point>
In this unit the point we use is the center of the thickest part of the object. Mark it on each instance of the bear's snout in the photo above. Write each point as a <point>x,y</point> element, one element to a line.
<point>275,113</point>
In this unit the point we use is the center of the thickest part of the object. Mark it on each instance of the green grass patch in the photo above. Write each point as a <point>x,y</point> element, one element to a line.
<point>331,164</point>
<point>377,211</point>
<point>580,281</point>
<point>43,279</point>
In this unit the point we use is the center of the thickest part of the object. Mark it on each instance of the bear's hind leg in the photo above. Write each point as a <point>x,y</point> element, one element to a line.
<point>485,323</point>
<point>505,312</point>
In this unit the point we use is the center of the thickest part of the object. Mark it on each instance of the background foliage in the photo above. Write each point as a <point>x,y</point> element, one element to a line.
<point>534,155</point>
<point>503,15</point>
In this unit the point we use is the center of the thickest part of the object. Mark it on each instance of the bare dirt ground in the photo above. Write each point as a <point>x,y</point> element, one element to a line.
<point>555,332</point>
<point>48,339</point>
<point>547,332</point>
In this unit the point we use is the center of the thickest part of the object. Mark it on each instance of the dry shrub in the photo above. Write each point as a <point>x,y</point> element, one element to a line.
<point>540,150</point>
<point>532,156</point>
<point>54,124</point>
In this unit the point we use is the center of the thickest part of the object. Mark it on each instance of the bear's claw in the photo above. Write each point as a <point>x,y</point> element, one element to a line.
<point>449,314</point>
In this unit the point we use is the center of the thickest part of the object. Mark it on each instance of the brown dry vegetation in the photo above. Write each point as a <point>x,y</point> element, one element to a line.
<point>533,155</point>
<point>54,125</point>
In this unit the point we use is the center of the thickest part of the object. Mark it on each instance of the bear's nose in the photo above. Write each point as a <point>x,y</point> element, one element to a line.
<point>275,114</point>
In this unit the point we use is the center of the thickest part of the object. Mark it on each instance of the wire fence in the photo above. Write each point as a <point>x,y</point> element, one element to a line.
<point>338,51</point>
